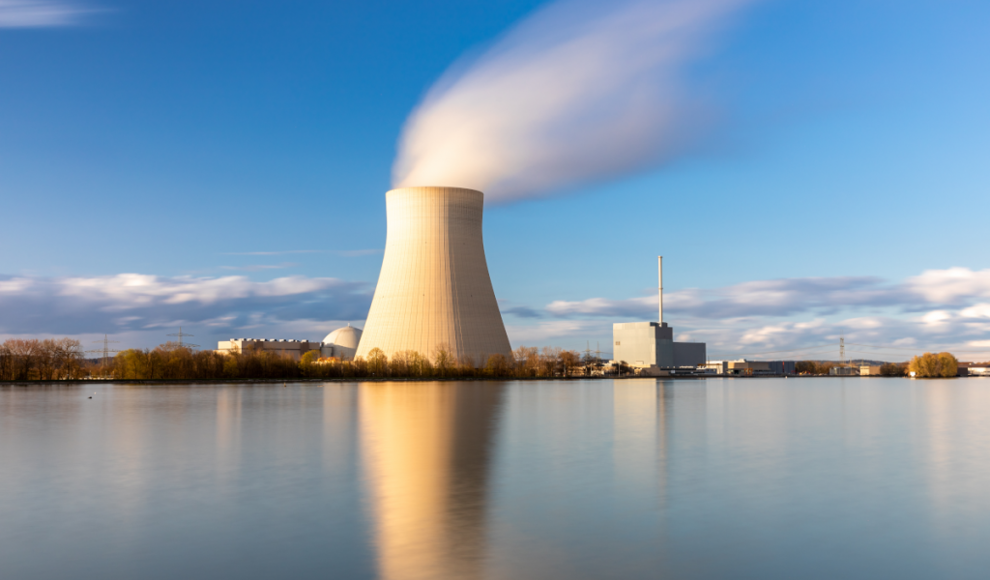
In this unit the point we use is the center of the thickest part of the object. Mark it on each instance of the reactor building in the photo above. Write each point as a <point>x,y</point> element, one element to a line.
<point>650,346</point>
<point>434,290</point>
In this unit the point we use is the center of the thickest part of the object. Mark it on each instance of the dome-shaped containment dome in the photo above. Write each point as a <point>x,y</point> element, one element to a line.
<point>344,341</point>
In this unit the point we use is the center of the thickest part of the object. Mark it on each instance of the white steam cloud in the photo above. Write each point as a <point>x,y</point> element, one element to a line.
<point>578,92</point>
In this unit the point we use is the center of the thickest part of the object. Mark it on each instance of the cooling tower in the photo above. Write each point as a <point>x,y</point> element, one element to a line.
<point>434,288</point>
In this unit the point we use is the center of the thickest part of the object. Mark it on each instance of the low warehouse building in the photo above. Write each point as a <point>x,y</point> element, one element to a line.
<point>751,367</point>
<point>284,347</point>
<point>341,343</point>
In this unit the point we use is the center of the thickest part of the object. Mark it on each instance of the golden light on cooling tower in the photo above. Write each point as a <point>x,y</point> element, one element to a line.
<point>434,290</point>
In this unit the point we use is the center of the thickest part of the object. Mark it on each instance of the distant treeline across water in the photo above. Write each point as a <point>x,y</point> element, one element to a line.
<point>57,359</point>
<point>62,359</point>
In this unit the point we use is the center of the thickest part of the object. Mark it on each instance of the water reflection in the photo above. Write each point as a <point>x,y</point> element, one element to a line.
<point>427,450</point>
<point>763,478</point>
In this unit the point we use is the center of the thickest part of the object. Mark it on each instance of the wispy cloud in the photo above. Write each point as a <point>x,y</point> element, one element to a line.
<point>261,267</point>
<point>522,312</point>
<point>343,253</point>
<point>953,287</point>
<point>40,13</point>
<point>129,302</point>
<point>784,297</point>
<point>357,253</point>
<point>949,307</point>
<point>553,331</point>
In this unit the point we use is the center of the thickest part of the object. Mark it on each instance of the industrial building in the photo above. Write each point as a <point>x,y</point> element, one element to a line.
<point>341,343</point>
<point>650,346</point>
<point>434,290</point>
<point>751,367</point>
<point>870,370</point>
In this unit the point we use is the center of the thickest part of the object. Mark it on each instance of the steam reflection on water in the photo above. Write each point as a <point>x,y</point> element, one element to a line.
<point>634,479</point>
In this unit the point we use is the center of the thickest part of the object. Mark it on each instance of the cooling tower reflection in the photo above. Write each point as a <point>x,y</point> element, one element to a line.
<point>427,450</point>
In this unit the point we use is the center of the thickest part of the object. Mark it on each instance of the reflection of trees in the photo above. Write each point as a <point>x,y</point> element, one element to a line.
<point>427,448</point>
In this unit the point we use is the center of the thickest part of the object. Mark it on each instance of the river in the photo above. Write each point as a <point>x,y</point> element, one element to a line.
<point>719,478</point>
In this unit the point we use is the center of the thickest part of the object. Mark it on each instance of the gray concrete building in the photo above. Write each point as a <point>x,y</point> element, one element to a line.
<point>649,344</point>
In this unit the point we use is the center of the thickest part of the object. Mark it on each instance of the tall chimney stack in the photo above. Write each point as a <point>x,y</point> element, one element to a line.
<point>660,268</point>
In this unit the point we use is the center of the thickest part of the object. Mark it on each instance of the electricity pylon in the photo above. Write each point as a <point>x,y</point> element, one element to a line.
<point>181,335</point>
<point>105,351</point>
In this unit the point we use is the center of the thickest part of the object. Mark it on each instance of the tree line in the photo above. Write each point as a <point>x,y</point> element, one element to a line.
<point>50,359</point>
<point>63,359</point>
<point>170,361</point>
<point>928,365</point>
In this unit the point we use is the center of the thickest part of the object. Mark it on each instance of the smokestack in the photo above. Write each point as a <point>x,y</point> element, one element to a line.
<point>434,289</point>
<point>660,268</point>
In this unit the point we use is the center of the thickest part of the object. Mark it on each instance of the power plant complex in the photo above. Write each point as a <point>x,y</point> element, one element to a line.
<point>434,291</point>
<point>434,294</point>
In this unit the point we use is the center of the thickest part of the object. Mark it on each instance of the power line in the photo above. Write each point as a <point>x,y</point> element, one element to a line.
<point>900,350</point>
<point>106,350</point>
<point>795,352</point>
<point>787,350</point>
<point>181,335</point>
<point>915,349</point>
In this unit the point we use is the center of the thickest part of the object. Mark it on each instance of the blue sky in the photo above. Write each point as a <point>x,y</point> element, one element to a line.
<point>222,165</point>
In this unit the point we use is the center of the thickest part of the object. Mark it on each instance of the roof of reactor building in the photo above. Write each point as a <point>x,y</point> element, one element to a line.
<point>347,337</point>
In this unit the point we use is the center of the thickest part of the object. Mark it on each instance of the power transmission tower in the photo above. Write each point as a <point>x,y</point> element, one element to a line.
<point>181,335</point>
<point>105,351</point>
<point>842,351</point>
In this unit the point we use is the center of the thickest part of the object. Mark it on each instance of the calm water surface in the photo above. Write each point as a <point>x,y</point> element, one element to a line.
<point>812,478</point>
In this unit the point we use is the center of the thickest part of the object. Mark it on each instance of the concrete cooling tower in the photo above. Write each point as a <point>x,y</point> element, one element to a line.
<point>434,288</point>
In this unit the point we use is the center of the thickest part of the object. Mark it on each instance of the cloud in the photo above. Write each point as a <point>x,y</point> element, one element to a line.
<point>953,286</point>
<point>343,253</point>
<point>261,267</point>
<point>783,297</point>
<point>40,13</point>
<point>544,333</point>
<point>790,318</point>
<point>938,309</point>
<point>358,253</point>
<point>579,92</point>
<point>132,302</point>
<point>522,312</point>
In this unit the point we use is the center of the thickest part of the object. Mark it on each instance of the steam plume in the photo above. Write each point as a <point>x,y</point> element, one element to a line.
<point>578,92</point>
